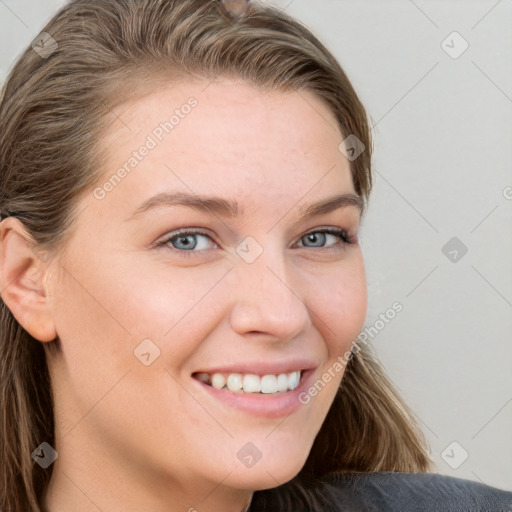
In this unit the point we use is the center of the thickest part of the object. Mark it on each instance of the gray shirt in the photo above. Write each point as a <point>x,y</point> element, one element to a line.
<point>409,492</point>
<point>386,492</point>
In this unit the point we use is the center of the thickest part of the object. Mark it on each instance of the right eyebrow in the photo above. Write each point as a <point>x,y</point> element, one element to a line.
<point>218,205</point>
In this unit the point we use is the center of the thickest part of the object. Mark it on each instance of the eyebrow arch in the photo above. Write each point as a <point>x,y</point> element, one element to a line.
<point>333,203</point>
<point>231,208</point>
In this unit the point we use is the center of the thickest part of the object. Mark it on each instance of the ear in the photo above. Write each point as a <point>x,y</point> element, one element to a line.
<point>23,273</point>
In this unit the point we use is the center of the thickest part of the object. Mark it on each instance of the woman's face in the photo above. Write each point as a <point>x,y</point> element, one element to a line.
<point>141,311</point>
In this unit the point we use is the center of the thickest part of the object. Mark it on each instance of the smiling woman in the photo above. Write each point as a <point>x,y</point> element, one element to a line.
<point>186,335</point>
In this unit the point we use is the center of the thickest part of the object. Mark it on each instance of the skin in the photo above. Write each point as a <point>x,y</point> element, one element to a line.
<point>132,437</point>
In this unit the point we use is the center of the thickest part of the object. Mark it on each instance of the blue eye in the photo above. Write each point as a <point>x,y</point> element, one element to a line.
<point>186,242</point>
<point>321,236</point>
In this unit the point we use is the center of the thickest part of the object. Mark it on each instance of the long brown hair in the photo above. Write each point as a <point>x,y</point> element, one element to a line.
<point>52,114</point>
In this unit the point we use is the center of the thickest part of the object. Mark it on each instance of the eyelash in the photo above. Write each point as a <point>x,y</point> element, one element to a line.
<point>342,234</point>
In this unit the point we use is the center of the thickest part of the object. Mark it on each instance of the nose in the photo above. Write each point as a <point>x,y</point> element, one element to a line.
<point>266,301</point>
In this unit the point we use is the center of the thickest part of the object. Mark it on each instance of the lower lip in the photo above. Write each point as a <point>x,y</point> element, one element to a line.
<point>259,404</point>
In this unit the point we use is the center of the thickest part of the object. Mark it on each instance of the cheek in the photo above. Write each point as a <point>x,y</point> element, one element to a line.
<point>163,304</point>
<point>340,304</point>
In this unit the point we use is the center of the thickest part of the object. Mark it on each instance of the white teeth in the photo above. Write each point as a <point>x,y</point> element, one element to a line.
<point>293,380</point>
<point>269,384</point>
<point>234,382</point>
<point>218,380</point>
<point>282,382</point>
<point>252,383</point>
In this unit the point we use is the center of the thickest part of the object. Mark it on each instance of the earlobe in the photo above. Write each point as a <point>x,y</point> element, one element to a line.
<point>22,281</point>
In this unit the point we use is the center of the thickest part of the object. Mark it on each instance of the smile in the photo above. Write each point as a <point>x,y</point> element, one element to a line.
<point>263,396</point>
<point>251,383</point>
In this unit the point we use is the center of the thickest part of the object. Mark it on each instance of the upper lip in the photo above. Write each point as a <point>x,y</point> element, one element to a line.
<point>262,368</point>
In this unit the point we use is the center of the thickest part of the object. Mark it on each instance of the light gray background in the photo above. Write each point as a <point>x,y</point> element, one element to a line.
<point>443,169</point>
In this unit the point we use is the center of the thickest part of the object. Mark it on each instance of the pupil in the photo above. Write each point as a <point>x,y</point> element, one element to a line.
<point>318,237</point>
<point>186,241</point>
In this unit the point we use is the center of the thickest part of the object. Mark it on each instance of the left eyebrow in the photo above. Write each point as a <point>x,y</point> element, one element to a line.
<point>333,203</point>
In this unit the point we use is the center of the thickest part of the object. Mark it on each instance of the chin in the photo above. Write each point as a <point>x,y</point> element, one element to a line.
<point>262,481</point>
<point>267,476</point>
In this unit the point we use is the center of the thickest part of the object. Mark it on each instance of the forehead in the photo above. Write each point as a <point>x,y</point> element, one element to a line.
<point>227,138</point>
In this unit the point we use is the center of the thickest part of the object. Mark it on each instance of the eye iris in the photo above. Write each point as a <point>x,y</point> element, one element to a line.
<point>187,245</point>
<point>319,237</point>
